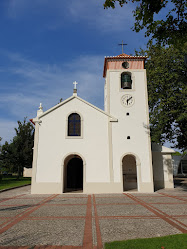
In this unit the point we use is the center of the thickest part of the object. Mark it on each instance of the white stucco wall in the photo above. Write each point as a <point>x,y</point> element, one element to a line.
<point>54,145</point>
<point>162,166</point>
<point>134,125</point>
<point>27,172</point>
<point>175,162</point>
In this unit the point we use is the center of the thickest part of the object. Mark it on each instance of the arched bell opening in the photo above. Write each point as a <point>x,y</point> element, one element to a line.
<point>126,81</point>
<point>129,173</point>
<point>73,174</point>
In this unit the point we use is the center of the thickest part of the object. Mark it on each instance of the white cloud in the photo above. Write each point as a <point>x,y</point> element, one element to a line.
<point>46,83</point>
<point>17,9</point>
<point>60,13</point>
<point>104,19</point>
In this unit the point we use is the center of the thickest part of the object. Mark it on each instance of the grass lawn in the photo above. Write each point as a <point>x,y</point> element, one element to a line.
<point>11,181</point>
<point>167,242</point>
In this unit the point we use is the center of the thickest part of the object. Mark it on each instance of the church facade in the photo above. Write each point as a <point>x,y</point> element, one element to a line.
<point>81,148</point>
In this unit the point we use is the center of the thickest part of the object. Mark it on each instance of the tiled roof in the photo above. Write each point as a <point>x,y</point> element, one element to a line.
<point>124,56</point>
<point>121,56</point>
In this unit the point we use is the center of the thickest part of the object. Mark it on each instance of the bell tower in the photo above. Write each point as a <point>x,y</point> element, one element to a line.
<point>126,98</point>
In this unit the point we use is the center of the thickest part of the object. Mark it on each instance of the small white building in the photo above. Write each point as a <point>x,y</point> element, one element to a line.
<point>27,172</point>
<point>79,147</point>
<point>176,161</point>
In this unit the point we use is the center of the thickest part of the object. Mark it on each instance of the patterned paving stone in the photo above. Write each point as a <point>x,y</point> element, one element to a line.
<point>34,196</point>
<point>112,230</point>
<point>53,223</point>
<point>155,194</point>
<point>183,197</point>
<point>172,209</point>
<point>21,202</point>
<point>3,221</point>
<point>43,232</point>
<point>58,211</point>
<point>68,195</point>
<point>125,210</point>
<point>16,192</point>
<point>2,199</point>
<point>94,235</point>
<point>65,200</point>
<point>109,195</point>
<point>159,199</point>
<point>173,192</point>
<point>13,211</point>
<point>115,200</point>
<point>183,220</point>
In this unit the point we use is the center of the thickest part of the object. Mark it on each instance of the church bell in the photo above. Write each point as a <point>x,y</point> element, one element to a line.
<point>126,81</point>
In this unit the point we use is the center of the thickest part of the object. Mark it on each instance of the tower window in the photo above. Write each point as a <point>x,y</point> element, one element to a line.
<point>74,125</point>
<point>126,81</point>
<point>127,113</point>
<point>128,137</point>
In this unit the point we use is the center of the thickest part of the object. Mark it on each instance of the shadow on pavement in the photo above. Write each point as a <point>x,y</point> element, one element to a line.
<point>180,182</point>
<point>15,208</point>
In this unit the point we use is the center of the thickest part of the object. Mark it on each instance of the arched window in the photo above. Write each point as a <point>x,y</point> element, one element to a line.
<point>126,81</point>
<point>74,125</point>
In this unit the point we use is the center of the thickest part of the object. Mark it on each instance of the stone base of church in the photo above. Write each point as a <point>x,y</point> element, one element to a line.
<point>46,188</point>
<point>89,188</point>
<point>102,187</point>
<point>162,185</point>
<point>169,184</point>
<point>146,187</point>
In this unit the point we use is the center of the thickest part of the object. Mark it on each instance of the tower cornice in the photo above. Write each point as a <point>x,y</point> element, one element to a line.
<point>121,57</point>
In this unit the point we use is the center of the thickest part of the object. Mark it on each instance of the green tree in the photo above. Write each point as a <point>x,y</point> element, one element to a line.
<point>0,144</point>
<point>0,160</point>
<point>167,89</point>
<point>18,153</point>
<point>172,29</point>
<point>7,159</point>
<point>23,143</point>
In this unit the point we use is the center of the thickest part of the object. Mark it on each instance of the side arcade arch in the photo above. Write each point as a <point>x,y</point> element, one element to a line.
<point>130,172</point>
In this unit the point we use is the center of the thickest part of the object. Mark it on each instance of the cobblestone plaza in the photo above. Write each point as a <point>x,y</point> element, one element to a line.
<point>88,221</point>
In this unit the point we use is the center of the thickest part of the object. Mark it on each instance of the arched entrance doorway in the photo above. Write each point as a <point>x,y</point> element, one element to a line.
<point>73,174</point>
<point>129,173</point>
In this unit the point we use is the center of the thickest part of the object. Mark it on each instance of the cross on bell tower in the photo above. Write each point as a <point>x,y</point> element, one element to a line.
<point>122,44</point>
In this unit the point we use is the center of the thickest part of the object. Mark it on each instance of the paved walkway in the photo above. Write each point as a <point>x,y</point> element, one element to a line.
<point>70,221</point>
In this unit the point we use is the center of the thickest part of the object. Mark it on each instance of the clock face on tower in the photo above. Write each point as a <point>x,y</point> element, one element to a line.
<point>127,100</point>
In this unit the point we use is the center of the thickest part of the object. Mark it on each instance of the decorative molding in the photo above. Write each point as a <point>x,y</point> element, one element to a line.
<point>112,119</point>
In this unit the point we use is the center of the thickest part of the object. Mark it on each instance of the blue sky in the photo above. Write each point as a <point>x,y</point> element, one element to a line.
<point>46,45</point>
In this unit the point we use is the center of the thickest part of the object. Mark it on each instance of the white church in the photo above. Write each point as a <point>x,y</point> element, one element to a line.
<point>81,148</point>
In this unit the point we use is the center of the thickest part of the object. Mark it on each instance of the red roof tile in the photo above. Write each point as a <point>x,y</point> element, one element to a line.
<point>121,56</point>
